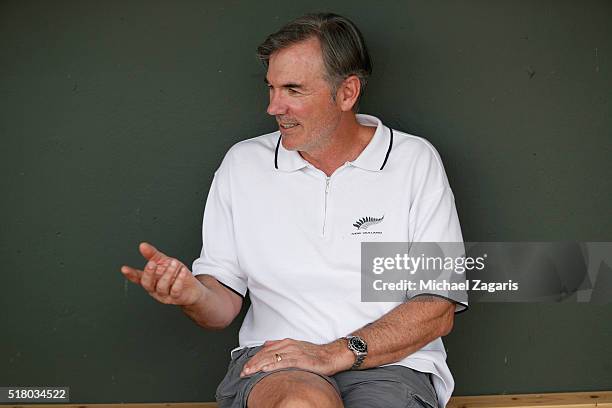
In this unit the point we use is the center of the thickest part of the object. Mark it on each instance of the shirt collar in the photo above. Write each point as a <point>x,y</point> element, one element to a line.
<point>373,157</point>
<point>287,160</point>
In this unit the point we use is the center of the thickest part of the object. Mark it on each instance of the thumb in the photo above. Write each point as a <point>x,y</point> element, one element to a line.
<point>149,252</point>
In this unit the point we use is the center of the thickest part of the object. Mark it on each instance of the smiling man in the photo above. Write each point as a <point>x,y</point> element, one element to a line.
<point>284,220</point>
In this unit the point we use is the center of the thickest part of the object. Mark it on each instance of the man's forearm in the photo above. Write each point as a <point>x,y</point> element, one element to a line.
<point>214,309</point>
<point>401,332</point>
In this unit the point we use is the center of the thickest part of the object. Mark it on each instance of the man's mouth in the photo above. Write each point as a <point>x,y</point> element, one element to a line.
<point>288,125</point>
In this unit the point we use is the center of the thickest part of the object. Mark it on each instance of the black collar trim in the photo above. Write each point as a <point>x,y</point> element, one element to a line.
<point>276,153</point>
<point>381,167</point>
<point>389,149</point>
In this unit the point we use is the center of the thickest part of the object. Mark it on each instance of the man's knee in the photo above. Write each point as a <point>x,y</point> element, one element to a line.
<point>309,400</point>
<point>295,389</point>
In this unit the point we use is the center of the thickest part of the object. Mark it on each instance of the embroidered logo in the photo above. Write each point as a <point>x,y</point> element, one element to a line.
<point>366,222</point>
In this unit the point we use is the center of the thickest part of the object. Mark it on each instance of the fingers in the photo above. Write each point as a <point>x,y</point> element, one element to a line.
<point>285,361</point>
<point>270,362</point>
<point>266,358</point>
<point>166,277</point>
<point>148,277</point>
<point>257,362</point>
<point>151,253</point>
<point>162,277</point>
<point>179,283</point>
<point>133,275</point>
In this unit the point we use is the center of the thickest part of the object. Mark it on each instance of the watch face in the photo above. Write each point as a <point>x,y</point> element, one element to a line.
<point>358,345</point>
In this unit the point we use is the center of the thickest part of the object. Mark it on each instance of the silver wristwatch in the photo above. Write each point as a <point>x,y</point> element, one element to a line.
<point>359,347</point>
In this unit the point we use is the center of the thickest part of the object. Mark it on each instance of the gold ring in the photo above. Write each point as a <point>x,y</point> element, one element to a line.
<point>278,357</point>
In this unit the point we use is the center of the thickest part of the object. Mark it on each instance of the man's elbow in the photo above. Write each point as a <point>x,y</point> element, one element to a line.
<point>447,321</point>
<point>216,326</point>
<point>222,322</point>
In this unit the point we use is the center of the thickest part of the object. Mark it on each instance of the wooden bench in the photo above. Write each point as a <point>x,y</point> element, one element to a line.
<point>595,399</point>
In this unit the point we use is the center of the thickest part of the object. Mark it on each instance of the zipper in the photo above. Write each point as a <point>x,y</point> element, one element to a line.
<point>327,183</point>
<point>325,205</point>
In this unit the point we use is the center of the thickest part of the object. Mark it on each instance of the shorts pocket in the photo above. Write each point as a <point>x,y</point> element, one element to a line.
<point>422,402</point>
<point>419,387</point>
<point>228,387</point>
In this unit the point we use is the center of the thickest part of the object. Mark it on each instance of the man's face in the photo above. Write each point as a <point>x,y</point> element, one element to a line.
<point>300,97</point>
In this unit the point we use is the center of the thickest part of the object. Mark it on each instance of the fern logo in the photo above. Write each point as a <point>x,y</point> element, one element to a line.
<point>366,222</point>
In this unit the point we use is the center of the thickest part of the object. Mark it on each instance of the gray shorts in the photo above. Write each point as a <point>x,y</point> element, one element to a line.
<point>389,387</point>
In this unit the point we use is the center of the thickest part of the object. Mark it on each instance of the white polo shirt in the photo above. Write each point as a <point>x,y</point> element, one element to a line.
<point>280,228</point>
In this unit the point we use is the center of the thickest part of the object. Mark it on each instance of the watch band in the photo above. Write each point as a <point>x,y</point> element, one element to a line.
<point>358,361</point>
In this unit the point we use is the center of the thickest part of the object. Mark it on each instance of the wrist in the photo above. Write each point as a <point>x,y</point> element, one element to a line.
<point>341,356</point>
<point>198,298</point>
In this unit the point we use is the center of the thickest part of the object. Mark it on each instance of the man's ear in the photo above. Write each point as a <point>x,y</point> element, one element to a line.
<point>348,93</point>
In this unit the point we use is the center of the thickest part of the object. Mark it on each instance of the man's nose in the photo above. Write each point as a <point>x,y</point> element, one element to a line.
<point>276,106</point>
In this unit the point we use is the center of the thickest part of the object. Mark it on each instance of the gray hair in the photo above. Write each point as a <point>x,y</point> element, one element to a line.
<point>342,45</point>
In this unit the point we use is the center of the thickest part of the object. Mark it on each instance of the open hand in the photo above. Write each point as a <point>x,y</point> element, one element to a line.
<point>325,359</point>
<point>166,279</point>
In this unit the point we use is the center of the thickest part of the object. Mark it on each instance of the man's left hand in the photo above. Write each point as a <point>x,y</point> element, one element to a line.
<point>327,359</point>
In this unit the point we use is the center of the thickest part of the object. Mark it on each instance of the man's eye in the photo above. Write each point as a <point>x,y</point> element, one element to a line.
<point>292,91</point>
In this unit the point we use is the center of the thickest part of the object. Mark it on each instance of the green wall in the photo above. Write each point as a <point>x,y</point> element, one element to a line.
<point>115,114</point>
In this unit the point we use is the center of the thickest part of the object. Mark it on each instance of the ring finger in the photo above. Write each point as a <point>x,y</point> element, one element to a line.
<point>163,285</point>
<point>280,360</point>
<point>268,359</point>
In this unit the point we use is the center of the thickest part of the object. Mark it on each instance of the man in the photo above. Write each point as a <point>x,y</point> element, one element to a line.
<point>285,218</point>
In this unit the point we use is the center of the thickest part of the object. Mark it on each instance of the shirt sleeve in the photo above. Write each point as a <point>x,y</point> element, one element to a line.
<point>218,256</point>
<point>434,226</point>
